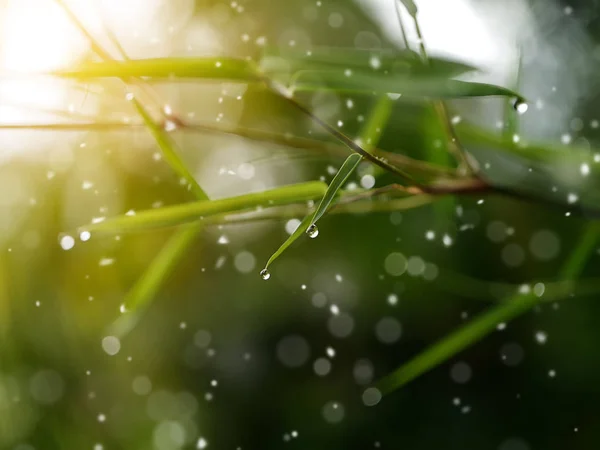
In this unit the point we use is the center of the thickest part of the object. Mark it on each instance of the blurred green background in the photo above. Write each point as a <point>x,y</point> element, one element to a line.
<point>224,360</point>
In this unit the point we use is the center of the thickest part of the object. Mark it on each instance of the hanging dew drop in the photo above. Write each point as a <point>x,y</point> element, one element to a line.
<point>312,231</point>
<point>520,106</point>
<point>264,274</point>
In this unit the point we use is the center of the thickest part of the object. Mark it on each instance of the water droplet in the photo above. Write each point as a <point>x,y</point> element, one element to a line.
<point>520,106</point>
<point>85,236</point>
<point>123,308</point>
<point>170,126</point>
<point>312,231</point>
<point>371,396</point>
<point>67,242</point>
<point>265,275</point>
<point>111,345</point>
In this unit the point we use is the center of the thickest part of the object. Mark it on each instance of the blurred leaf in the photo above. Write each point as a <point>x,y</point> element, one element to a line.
<point>336,58</point>
<point>481,326</point>
<point>161,266</point>
<point>190,212</point>
<point>383,84</point>
<point>221,68</point>
<point>457,341</point>
<point>410,6</point>
<point>167,146</point>
<point>538,151</point>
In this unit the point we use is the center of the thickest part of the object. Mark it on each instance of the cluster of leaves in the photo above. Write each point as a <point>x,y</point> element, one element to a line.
<point>367,73</point>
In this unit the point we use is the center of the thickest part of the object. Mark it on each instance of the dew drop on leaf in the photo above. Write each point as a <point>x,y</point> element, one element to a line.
<point>312,231</point>
<point>264,274</point>
<point>520,106</point>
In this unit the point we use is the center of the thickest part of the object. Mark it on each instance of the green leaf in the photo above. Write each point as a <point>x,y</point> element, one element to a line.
<point>382,84</point>
<point>145,288</point>
<point>486,323</point>
<point>190,212</point>
<point>410,6</point>
<point>306,222</point>
<point>336,184</point>
<point>457,341</point>
<point>401,62</point>
<point>221,68</point>
<point>167,146</point>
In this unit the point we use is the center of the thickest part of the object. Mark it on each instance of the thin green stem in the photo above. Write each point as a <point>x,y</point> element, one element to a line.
<point>464,165</point>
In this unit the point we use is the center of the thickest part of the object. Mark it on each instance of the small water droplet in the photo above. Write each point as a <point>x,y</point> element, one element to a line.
<point>67,242</point>
<point>520,106</point>
<point>123,308</point>
<point>85,236</point>
<point>264,274</point>
<point>312,231</point>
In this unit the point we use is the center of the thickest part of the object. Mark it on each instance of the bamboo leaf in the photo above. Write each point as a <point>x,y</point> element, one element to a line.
<point>145,288</point>
<point>302,228</point>
<point>167,146</point>
<point>410,87</point>
<point>218,68</point>
<point>410,6</point>
<point>336,58</point>
<point>336,184</point>
<point>196,211</point>
<point>481,326</point>
<point>457,341</point>
<point>370,133</point>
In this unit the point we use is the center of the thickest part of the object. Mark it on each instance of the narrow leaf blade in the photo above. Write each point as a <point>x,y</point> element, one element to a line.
<point>302,227</point>
<point>396,62</point>
<point>220,68</point>
<point>195,211</point>
<point>336,184</point>
<point>410,87</point>
<point>168,150</point>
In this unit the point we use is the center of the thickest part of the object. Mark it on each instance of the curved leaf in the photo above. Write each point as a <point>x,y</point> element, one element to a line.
<point>383,84</point>
<point>336,58</point>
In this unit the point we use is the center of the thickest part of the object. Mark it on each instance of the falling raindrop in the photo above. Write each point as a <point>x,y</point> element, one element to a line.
<point>265,275</point>
<point>312,231</point>
<point>520,106</point>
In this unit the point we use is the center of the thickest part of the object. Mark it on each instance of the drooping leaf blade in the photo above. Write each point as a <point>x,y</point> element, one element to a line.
<point>217,68</point>
<point>403,62</point>
<point>367,83</point>
<point>190,212</point>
